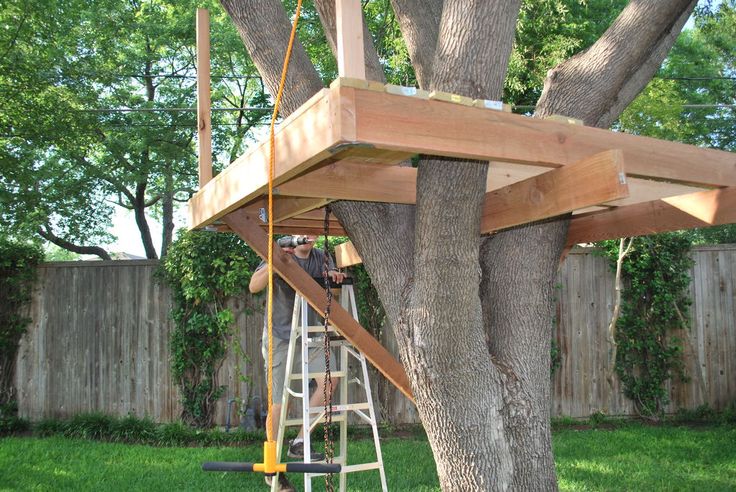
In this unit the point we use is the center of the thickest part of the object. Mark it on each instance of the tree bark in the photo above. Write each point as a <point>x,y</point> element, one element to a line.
<point>473,317</point>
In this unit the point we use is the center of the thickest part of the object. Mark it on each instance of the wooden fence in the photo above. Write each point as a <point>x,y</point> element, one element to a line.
<point>99,342</point>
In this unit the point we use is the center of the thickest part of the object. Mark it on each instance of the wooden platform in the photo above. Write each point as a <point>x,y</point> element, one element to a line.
<point>346,144</point>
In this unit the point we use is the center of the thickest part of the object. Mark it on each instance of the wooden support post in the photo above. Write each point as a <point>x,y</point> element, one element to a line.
<point>350,54</point>
<point>294,275</point>
<point>694,210</point>
<point>204,126</point>
<point>597,179</point>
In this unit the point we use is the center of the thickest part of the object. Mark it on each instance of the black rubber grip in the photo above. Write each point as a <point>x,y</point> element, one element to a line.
<point>227,466</point>
<point>296,467</point>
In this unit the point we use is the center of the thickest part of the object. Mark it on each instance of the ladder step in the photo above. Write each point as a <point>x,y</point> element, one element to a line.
<point>342,342</point>
<point>316,375</point>
<point>298,422</point>
<point>320,329</point>
<point>342,408</point>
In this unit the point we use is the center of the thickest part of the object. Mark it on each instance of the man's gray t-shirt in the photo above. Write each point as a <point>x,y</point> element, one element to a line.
<point>283,294</point>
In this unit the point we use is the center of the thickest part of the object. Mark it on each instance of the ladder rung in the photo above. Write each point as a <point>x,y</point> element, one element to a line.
<point>320,329</point>
<point>342,408</point>
<point>295,422</point>
<point>316,375</point>
<point>334,343</point>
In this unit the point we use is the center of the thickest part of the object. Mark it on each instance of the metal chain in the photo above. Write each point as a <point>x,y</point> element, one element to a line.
<point>327,391</point>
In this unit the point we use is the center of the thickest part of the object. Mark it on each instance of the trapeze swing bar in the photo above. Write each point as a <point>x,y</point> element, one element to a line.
<point>270,465</point>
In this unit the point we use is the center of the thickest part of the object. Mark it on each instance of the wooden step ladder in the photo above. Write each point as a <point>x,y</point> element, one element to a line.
<point>303,337</point>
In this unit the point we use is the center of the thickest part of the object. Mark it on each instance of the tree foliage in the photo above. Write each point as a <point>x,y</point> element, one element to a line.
<point>204,270</point>
<point>66,159</point>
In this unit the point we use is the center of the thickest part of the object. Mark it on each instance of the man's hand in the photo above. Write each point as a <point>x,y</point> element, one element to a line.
<point>336,276</point>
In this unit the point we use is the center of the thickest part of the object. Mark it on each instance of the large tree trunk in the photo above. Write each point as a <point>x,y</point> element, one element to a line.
<point>473,317</point>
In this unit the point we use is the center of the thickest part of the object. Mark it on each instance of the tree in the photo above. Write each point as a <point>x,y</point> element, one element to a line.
<point>472,315</point>
<point>88,89</point>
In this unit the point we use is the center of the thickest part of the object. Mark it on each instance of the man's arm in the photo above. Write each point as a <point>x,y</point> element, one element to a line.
<point>259,280</point>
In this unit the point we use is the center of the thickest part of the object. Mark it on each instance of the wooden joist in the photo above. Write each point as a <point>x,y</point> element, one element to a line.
<point>591,181</point>
<point>694,210</point>
<point>294,275</point>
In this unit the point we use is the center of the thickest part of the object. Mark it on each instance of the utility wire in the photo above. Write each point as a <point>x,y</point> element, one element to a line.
<point>172,110</point>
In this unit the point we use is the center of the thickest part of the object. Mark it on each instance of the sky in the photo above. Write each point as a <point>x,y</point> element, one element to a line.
<point>129,238</point>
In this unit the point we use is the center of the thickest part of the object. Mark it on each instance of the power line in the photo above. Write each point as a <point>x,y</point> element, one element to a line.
<point>172,110</point>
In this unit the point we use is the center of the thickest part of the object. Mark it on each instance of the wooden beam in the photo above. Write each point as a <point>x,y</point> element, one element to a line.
<point>204,125</point>
<point>303,139</point>
<point>294,275</point>
<point>351,180</point>
<point>591,181</point>
<point>288,207</point>
<point>694,210</point>
<point>410,124</point>
<point>346,255</point>
<point>350,51</point>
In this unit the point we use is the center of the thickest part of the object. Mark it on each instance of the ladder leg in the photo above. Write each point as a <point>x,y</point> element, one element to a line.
<point>307,445</point>
<point>344,422</point>
<point>374,419</point>
<point>285,396</point>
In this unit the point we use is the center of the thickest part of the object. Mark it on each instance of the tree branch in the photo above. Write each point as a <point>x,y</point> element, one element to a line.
<point>265,29</point>
<point>45,232</point>
<point>419,21</point>
<point>597,84</point>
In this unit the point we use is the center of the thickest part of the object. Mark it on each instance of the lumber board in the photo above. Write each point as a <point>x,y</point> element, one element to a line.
<point>288,207</point>
<point>204,124</point>
<point>346,255</point>
<point>694,210</point>
<point>354,180</point>
<point>431,127</point>
<point>294,275</point>
<point>591,181</point>
<point>349,30</point>
<point>502,174</point>
<point>302,140</point>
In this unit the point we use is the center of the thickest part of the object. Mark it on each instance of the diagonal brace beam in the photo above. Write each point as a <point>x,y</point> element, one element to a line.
<point>294,275</point>
<point>690,211</point>
<point>591,181</point>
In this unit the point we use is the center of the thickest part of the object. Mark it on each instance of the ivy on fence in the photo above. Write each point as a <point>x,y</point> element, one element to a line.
<point>203,269</point>
<point>654,305</point>
<point>18,264</point>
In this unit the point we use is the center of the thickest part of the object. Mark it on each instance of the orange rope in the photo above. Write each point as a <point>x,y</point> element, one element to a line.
<point>271,167</point>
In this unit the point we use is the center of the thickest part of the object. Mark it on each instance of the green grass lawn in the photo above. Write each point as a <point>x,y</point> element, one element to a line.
<point>630,458</point>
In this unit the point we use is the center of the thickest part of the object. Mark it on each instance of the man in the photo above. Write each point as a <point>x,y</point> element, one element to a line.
<point>312,261</point>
